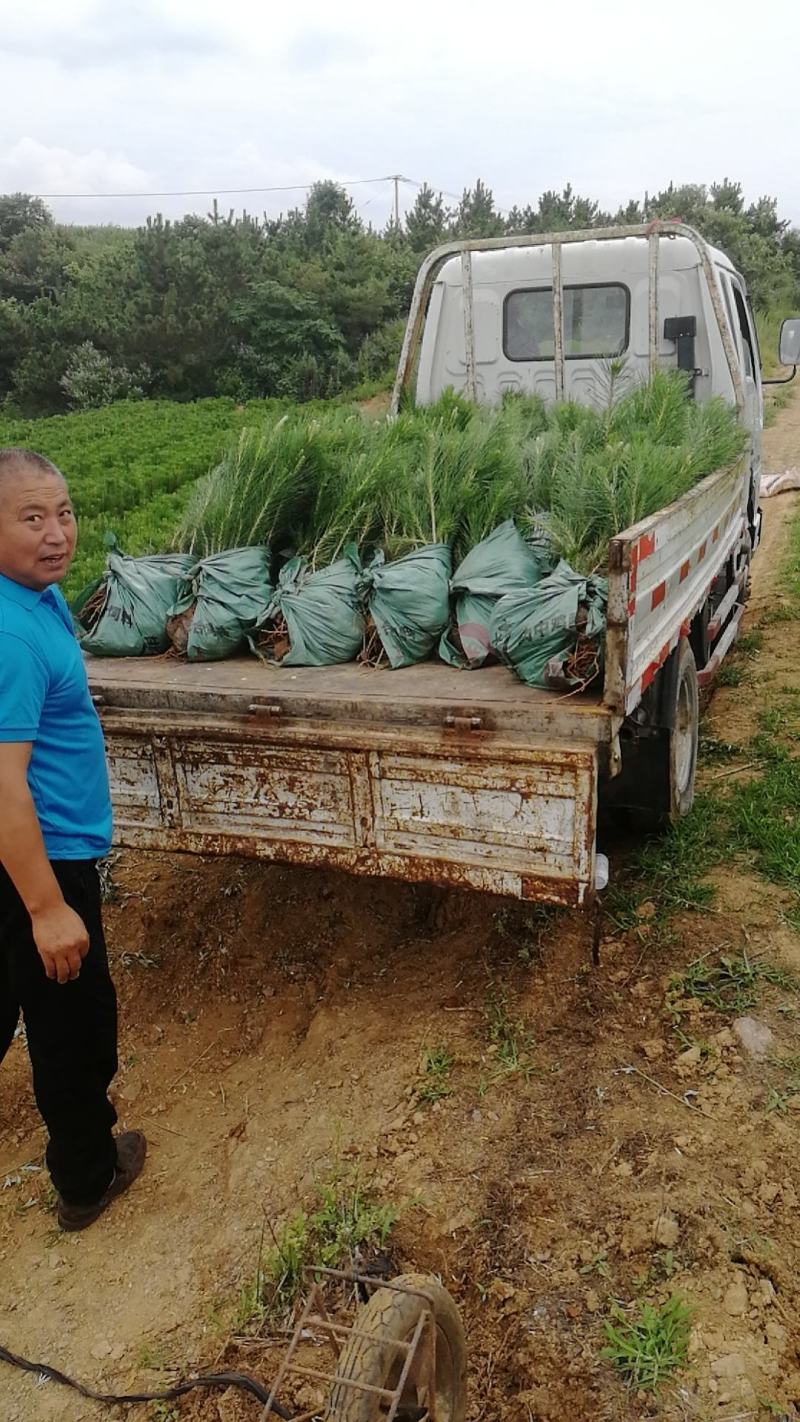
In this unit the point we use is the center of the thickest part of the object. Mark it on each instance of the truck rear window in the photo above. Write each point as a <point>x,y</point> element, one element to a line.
<point>596,322</point>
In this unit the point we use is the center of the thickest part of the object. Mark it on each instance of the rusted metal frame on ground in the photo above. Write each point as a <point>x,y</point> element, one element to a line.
<point>422,1344</point>
<point>420,1328</point>
<point>286,1361</point>
<point>469,324</point>
<point>651,230</point>
<point>558,319</point>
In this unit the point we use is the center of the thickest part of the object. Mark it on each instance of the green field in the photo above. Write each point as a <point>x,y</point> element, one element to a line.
<point>131,466</point>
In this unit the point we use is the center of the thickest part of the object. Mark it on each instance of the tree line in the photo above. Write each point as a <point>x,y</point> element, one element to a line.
<point>304,306</point>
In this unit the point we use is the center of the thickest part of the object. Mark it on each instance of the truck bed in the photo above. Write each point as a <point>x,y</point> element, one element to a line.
<point>426,773</point>
<point>424,695</point>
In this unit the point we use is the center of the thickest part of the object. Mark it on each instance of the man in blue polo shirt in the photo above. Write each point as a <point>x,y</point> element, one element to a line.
<point>55,822</point>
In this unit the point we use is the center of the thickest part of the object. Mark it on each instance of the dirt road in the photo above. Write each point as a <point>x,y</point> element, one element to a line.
<point>273,1024</point>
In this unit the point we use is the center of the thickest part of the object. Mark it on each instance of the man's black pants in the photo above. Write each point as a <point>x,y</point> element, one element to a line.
<point>72,1034</point>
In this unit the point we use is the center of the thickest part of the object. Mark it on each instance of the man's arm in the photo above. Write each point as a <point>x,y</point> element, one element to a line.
<point>59,933</point>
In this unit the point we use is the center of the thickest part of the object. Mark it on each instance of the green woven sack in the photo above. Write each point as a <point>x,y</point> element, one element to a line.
<point>219,603</point>
<point>124,613</point>
<point>409,603</point>
<point>314,619</point>
<point>552,635</point>
<point>502,563</point>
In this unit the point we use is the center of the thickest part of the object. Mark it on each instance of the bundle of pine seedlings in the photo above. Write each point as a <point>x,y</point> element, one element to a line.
<point>591,474</point>
<point>290,488</point>
<point>445,473</point>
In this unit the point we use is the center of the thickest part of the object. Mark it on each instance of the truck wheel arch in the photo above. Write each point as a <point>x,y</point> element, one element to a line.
<point>659,747</point>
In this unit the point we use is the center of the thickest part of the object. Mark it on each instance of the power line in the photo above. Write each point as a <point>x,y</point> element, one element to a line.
<point>232,192</point>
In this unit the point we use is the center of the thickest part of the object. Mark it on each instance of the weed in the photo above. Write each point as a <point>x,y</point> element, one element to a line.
<point>784,612</point>
<point>732,673</point>
<point>347,1224</point>
<point>129,959</point>
<point>765,814</point>
<point>661,1268</point>
<point>151,1356</point>
<point>510,1044</point>
<point>778,1100</point>
<point>649,1347</point>
<point>599,1265</point>
<point>713,751</point>
<point>736,670</point>
<point>749,643</point>
<point>437,1066</point>
<point>727,983</point>
<point>164,1412</point>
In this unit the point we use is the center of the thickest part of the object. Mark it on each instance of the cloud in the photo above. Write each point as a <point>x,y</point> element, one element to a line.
<point>98,34</point>
<point>30,166</point>
<point>314,50</point>
<point>193,94</point>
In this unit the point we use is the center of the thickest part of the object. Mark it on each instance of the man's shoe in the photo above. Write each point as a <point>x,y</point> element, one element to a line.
<point>131,1152</point>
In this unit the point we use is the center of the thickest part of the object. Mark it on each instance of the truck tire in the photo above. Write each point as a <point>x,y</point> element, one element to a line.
<point>659,753</point>
<point>390,1318</point>
<point>684,736</point>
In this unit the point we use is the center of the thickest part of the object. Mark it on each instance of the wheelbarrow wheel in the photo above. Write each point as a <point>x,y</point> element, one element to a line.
<point>390,1318</point>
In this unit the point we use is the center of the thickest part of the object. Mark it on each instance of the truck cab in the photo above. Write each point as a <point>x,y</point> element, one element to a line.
<point>581,316</point>
<point>606,320</point>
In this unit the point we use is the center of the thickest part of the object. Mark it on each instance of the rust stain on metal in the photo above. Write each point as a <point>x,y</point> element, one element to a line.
<point>465,821</point>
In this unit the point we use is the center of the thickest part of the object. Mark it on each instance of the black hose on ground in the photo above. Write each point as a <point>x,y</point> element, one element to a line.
<point>208,1380</point>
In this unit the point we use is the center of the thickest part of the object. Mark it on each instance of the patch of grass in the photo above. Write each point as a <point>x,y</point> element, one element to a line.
<point>436,1067</point>
<point>784,612</point>
<point>779,1098</point>
<point>648,1348</point>
<point>765,816</point>
<point>713,751</point>
<point>164,1412</point>
<point>510,1044</point>
<point>669,868</point>
<point>346,1224</point>
<point>728,983</point>
<point>736,670</point>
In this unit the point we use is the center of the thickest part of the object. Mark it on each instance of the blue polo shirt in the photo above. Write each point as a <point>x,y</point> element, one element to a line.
<point>44,698</point>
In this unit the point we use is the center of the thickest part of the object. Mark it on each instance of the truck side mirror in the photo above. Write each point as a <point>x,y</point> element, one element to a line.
<point>789,342</point>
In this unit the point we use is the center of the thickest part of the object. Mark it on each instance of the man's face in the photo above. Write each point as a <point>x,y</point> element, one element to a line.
<point>38,531</point>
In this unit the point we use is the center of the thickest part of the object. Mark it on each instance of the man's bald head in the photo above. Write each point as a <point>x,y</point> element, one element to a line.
<point>16,464</point>
<point>37,522</point>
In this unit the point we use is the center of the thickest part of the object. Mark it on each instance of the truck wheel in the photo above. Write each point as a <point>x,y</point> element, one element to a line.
<point>659,758</point>
<point>684,736</point>
<point>391,1318</point>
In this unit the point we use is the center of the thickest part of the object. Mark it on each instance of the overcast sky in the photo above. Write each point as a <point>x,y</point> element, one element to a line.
<point>617,96</point>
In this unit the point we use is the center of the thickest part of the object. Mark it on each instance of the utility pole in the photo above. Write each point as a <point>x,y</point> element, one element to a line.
<point>397,179</point>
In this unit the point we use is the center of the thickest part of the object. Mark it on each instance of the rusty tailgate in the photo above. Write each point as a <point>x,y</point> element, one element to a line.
<point>453,806</point>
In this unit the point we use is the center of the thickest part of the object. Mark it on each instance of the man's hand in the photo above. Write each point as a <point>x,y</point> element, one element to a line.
<point>61,938</point>
<point>59,933</point>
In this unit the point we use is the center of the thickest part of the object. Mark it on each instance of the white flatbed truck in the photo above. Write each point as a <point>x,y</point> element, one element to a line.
<point>463,778</point>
